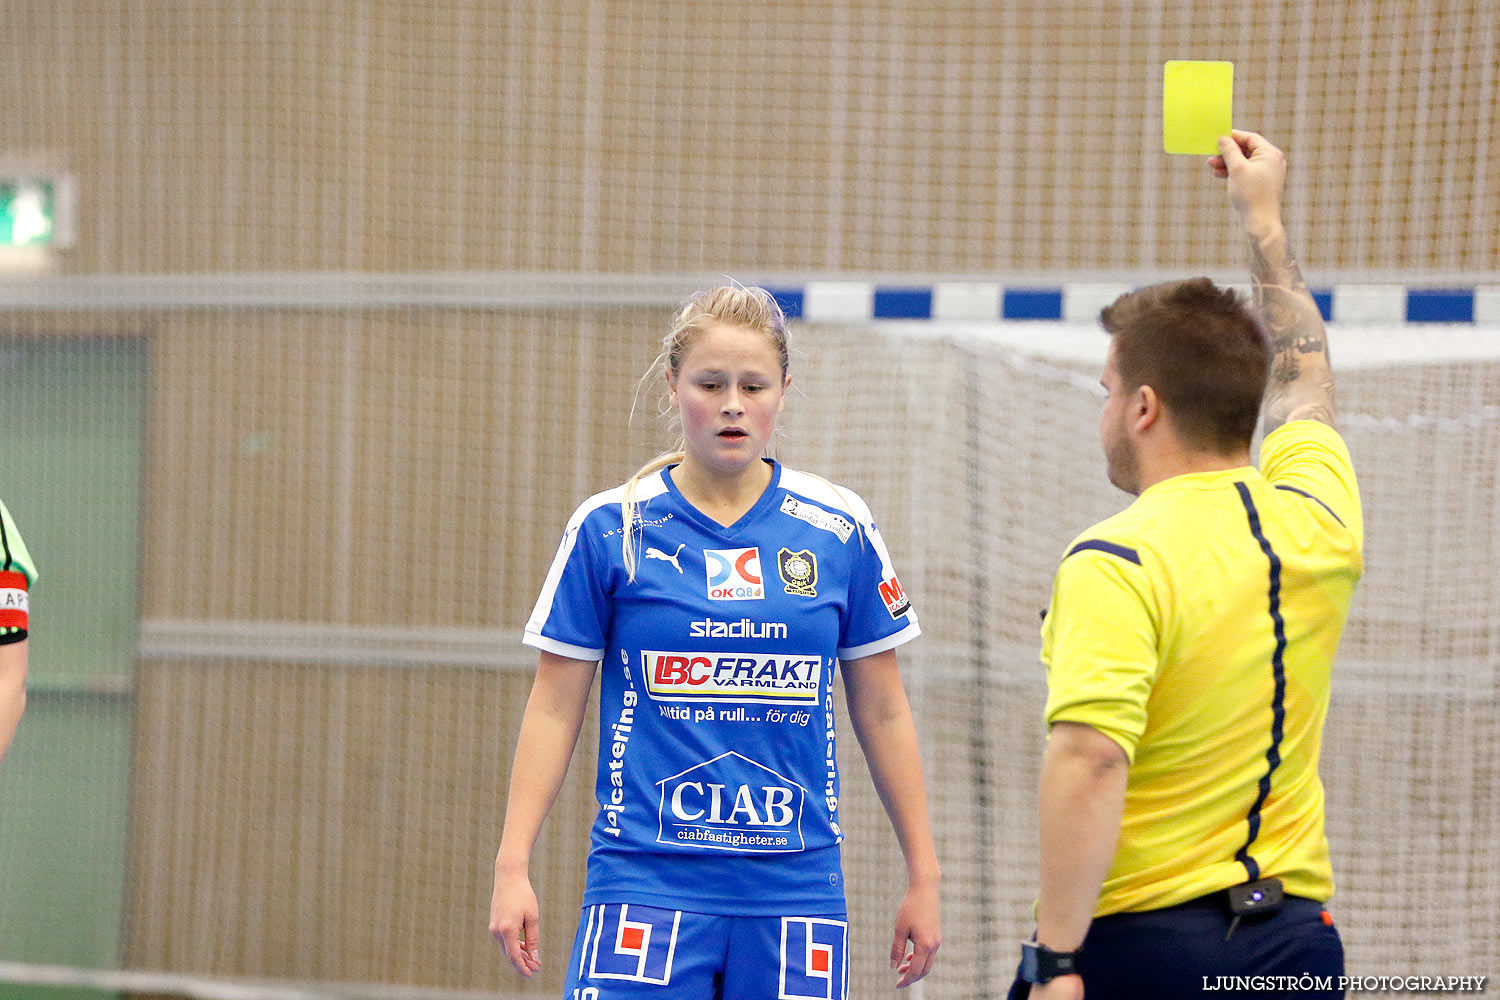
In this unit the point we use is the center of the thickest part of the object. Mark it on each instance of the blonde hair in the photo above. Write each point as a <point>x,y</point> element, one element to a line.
<point>749,308</point>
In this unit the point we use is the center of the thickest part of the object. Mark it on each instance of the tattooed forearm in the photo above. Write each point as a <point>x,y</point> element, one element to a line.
<point>1310,343</point>
<point>1284,368</point>
<point>1301,384</point>
<point>1271,262</point>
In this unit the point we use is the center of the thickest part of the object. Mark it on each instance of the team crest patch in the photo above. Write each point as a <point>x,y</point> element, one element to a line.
<point>799,571</point>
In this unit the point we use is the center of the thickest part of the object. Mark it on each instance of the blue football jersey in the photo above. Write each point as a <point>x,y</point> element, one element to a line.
<point>718,780</point>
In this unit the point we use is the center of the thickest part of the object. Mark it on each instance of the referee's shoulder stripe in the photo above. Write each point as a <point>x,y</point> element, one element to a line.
<point>1100,545</point>
<point>1320,503</point>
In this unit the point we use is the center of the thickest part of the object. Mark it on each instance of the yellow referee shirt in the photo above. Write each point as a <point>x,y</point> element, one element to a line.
<point>1197,628</point>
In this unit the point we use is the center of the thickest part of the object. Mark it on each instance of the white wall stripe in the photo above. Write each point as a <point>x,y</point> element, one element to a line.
<point>832,301</point>
<point>1369,304</point>
<point>955,298</point>
<point>1082,302</point>
<point>500,650</point>
<point>965,300</point>
<point>1487,304</point>
<point>396,645</point>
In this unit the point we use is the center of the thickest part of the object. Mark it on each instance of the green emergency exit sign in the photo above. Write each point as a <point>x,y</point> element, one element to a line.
<point>35,212</point>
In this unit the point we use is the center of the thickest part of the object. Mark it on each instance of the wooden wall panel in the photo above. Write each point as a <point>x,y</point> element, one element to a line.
<point>717,135</point>
<point>303,822</point>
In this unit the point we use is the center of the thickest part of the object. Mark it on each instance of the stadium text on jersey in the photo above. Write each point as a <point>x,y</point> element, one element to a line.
<point>708,628</point>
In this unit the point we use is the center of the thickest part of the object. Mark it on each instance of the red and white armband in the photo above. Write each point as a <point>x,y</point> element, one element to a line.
<point>15,603</point>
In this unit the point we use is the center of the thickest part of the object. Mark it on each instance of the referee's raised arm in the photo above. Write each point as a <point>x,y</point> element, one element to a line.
<point>1301,383</point>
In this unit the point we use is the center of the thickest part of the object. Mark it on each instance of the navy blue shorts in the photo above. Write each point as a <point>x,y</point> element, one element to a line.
<point>625,951</point>
<point>1180,952</point>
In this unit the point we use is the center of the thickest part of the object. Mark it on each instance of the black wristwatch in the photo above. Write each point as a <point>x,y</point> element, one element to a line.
<point>1040,964</point>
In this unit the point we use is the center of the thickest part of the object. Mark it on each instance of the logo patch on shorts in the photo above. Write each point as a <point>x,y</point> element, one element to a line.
<point>814,959</point>
<point>634,943</point>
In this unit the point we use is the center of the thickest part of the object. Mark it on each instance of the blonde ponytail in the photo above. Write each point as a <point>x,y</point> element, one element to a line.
<point>629,518</point>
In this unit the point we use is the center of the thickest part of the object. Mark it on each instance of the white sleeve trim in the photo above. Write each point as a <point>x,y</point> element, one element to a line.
<point>542,610</point>
<point>901,638</point>
<point>830,495</point>
<point>538,641</point>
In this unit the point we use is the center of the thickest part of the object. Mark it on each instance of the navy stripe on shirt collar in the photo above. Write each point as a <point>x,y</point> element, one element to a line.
<point>1304,493</point>
<point>1100,545</point>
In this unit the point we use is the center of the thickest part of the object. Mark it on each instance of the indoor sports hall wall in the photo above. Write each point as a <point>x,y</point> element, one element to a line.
<point>357,306</point>
<point>695,136</point>
<point>322,729</point>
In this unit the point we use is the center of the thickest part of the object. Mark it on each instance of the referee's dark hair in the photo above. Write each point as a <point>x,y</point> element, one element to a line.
<point>1204,353</point>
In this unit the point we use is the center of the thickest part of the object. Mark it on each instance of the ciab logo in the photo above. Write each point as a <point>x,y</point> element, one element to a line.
<point>734,574</point>
<point>731,803</point>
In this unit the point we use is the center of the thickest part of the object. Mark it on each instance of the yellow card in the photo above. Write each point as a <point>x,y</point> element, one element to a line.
<point>1195,109</point>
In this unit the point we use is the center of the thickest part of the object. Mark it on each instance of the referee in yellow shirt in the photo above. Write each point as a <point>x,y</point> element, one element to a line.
<point>1189,646</point>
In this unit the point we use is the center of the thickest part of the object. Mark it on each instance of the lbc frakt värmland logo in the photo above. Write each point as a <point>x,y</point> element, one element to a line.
<point>734,574</point>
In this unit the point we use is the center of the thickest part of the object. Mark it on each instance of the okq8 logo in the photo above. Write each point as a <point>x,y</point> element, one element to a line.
<point>734,574</point>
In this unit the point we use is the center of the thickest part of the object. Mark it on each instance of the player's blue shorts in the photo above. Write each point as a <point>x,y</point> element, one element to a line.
<point>624,951</point>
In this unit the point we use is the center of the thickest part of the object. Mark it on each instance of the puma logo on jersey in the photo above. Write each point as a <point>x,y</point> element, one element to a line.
<point>654,553</point>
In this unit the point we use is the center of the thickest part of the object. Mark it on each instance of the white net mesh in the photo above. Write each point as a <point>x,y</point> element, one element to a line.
<point>353,318</point>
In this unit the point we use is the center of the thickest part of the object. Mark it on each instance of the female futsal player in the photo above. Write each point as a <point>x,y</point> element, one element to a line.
<point>718,590</point>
